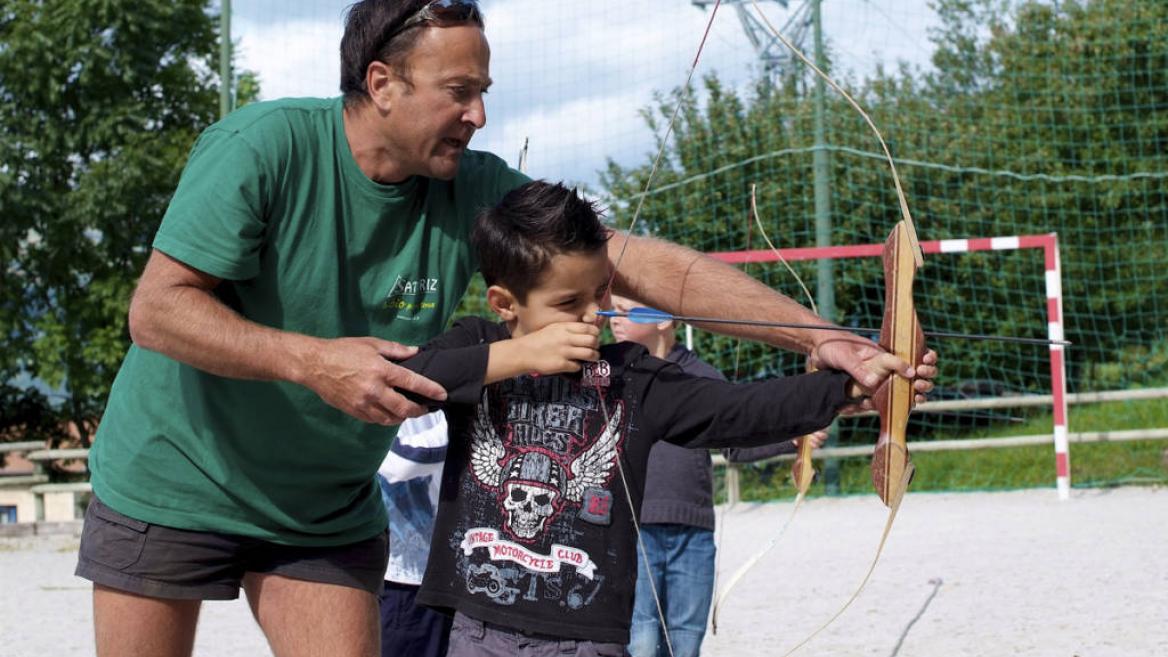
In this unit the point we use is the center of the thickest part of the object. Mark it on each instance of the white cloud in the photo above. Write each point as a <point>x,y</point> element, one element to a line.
<point>573,76</point>
<point>564,141</point>
<point>293,57</point>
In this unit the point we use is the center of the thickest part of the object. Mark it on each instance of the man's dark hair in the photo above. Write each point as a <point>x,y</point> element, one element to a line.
<point>369,36</point>
<point>517,238</point>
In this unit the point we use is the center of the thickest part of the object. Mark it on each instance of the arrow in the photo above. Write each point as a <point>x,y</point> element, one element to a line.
<point>642,315</point>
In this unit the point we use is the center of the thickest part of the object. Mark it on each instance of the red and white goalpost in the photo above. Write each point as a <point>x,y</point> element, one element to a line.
<point>1054,309</point>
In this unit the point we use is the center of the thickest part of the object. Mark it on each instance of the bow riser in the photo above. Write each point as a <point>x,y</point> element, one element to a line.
<point>901,335</point>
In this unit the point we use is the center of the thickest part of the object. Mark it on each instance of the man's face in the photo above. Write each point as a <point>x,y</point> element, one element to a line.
<point>432,120</point>
<point>573,286</point>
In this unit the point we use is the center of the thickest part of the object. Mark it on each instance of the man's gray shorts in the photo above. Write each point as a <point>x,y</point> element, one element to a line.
<point>161,562</point>
<point>474,638</point>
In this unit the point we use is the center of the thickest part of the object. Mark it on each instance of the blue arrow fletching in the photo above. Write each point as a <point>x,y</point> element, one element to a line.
<point>639,315</point>
<point>648,315</point>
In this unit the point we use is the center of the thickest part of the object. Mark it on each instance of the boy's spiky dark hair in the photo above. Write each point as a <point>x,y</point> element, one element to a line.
<point>517,238</point>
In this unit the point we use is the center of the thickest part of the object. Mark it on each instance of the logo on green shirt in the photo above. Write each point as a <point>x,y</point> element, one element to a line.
<point>412,296</point>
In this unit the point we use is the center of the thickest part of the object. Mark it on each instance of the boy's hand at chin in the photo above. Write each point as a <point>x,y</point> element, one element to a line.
<point>561,347</point>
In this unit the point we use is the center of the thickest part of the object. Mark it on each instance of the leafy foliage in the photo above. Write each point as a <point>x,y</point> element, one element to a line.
<point>100,101</point>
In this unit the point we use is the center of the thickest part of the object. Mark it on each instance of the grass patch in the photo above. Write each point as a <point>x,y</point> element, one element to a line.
<point>1092,465</point>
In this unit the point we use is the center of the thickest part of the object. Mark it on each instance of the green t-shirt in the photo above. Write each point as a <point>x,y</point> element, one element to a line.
<point>273,202</point>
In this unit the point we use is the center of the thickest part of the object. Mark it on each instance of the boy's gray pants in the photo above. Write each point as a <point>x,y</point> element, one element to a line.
<point>474,638</point>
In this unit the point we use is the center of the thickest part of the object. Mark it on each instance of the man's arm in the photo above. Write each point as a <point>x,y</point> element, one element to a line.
<point>684,282</point>
<point>175,312</point>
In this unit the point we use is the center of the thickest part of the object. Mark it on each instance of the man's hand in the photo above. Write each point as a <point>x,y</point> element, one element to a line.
<point>356,376</point>
<point>869,365</point>
<point>561,347</point>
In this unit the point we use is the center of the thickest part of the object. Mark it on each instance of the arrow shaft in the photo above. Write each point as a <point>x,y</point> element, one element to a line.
<point>819,327</point>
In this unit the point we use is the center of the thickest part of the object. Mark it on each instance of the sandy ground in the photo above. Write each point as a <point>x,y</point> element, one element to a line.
<point>986,574</point>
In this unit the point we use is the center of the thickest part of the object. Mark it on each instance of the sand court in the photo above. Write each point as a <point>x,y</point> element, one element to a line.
<point>963,574</point>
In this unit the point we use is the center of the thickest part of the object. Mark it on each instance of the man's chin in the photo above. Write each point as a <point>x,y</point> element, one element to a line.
<point>445,171</point>
<point>445,167</point>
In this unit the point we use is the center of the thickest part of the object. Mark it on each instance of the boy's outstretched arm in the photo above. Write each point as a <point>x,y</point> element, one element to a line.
<point>698,412</point>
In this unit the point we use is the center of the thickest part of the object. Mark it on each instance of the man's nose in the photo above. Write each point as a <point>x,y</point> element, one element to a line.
<point>476,113</point>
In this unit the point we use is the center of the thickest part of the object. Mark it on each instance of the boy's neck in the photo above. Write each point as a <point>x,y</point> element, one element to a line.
<point>662,345</point>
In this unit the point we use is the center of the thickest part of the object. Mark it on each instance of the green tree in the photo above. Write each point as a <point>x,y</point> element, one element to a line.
<point>100,101</point>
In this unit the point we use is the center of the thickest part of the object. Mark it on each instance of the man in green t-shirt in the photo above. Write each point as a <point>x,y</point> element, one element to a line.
<point>307,242</point>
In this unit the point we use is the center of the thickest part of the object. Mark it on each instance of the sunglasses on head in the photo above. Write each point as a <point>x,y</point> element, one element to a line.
<point>441,11</point>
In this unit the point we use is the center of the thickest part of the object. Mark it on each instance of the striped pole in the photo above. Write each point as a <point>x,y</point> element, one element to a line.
<point>1058,370</point>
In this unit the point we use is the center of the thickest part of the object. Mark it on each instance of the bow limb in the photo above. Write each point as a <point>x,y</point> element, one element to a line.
<point>802,471</point>
<point>905,214</point>
<point>901,335</point>
<point>904,336</point>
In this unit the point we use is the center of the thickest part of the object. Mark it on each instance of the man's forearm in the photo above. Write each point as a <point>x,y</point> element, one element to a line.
<point>684,282</point>
<point>193,326</point>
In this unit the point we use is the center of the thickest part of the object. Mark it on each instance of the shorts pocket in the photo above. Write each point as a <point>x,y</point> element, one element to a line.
<point>110,538</point>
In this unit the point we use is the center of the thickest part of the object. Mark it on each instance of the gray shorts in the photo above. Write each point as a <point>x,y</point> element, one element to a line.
<point>474,638</point>
<point>161,562</point>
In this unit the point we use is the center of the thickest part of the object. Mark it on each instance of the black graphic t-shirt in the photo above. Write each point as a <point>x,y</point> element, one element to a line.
<point>534,528</point>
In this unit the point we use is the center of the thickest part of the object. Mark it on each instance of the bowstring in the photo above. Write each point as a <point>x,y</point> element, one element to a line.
<point>612,278</point>
<point>664,144</point>
<point>904,211</point>
<point>799,498</point>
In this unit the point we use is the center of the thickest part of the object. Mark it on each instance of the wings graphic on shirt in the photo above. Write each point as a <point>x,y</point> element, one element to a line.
<point>592,469</point>
<point>487,448</point>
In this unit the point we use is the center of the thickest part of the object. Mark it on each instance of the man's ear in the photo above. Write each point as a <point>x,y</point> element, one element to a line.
<point>383,84</point>
<point>502,302</point>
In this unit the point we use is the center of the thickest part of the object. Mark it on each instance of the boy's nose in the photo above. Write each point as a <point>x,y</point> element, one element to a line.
<point>590,313</point>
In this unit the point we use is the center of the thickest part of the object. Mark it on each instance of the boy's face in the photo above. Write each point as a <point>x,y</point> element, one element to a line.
<point>626,330</point>
<point>572,288</point>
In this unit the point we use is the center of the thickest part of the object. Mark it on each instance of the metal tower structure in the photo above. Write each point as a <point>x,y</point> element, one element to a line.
<point>774,55</point>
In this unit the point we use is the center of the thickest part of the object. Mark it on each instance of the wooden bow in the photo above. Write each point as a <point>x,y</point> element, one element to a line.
<point>900,334</point>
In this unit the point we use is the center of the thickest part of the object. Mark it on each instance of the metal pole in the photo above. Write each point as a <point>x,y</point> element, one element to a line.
<point>226,98</point>
<point>825,272</point>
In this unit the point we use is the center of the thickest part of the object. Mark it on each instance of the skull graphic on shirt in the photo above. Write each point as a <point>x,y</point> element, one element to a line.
<point>531,484</point>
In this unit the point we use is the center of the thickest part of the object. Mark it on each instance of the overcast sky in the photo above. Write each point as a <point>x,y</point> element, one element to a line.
<point>573,75</point>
